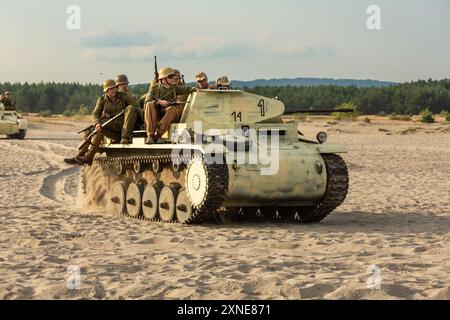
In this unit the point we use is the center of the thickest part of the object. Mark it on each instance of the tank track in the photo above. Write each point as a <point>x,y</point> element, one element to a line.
<point>211,209</point>
<point>217,182</point>
<point>337,189</point>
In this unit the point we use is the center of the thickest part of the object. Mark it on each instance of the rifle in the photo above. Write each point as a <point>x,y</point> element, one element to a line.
<point>156,72</point>
<point>89,137</point>
<point>86,129</point>
<point>173,103</point>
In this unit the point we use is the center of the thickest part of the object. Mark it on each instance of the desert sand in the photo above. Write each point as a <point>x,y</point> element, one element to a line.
<point>396,217</point>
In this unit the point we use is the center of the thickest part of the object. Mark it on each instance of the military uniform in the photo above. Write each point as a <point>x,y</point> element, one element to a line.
<point>158,121</point>
<point>104,110</point>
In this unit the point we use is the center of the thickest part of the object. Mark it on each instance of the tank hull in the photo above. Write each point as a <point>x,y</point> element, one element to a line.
<point>297,182</point>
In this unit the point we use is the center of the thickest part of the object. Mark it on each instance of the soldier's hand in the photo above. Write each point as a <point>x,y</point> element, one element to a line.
<point>164,103</point>
<point>98,127</point>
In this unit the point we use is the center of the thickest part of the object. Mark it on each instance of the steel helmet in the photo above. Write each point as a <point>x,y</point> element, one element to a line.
<point>108,84</point>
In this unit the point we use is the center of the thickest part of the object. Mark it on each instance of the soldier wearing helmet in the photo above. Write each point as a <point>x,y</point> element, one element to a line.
<point>223,83</point>
<point>159,110</point>
<point>202,81</point>
<point>179,76</point>
<point>122,86</point>
<point>111,103</point>
<point>8,101</point>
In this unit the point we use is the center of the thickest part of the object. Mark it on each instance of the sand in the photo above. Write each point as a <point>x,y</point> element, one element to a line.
<point>396,219</point>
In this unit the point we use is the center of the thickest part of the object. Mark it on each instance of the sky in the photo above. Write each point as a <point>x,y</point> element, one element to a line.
<point>245,40</point>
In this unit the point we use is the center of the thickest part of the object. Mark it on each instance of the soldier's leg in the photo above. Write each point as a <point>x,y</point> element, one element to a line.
<point>151,118</point>
<point>85,147</point>
<point>140,119</point>
<point>93,149</point>
<point>131,116</point>
<point>172,115</point>
<point>87,153</point>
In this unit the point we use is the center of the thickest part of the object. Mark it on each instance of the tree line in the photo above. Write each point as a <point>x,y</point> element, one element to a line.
<point>406,98</point>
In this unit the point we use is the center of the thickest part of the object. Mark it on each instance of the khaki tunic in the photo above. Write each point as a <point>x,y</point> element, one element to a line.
<point>157,120</point>
<point>105,109</point>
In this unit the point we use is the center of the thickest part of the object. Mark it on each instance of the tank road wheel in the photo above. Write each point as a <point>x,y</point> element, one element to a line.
<point>335,194</point>
<point>150,203</point>
<point>206,186</point>
<point>197,181</point>
<point>167,204</point>
<point>118,198</point>
<point>134,200</point>
<point>184,207</point>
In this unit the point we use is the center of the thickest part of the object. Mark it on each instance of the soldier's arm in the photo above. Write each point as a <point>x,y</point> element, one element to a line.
<point>131,100</point>
<point>183,90</point>
<point>151,95</point>
<point>98,110</point>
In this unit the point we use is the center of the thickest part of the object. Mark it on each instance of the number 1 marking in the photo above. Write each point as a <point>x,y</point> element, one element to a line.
<point>262,106</point>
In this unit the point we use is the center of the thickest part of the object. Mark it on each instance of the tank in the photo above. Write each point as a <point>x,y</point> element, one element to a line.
<point>230,157</point>
<point>12,124</point>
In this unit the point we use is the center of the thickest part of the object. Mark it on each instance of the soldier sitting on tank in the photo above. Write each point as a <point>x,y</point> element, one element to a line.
<point>111,103</point>
<point>123,86</point>
<point>8,101</point>
<point>159,111</point>
<point>223,83</point>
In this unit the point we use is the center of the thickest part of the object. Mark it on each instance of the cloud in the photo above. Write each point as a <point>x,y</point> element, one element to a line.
<point>299,51</point>
<point>142,46</point>
<point>206,47</point>
<point>111,39</point>
<point>283,49</point>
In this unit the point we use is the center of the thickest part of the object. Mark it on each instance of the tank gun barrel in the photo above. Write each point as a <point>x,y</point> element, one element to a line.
<point>320,111</point>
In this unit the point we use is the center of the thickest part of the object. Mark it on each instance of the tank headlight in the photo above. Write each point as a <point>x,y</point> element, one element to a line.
<point>322,137</point>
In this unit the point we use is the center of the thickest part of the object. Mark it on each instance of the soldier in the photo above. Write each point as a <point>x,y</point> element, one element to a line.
<point>122,86</point>
<point>223,83</point>
<point>158,111</point>
<point>202,81</point>
<point>8,101</point>
<point>111,103</point>
<point>179,76</point>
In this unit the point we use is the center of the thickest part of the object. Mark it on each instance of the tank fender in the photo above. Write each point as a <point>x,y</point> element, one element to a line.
<point>331,148</point>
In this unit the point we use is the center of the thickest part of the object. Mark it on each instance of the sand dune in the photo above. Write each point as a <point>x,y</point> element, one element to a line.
<point>396,217</point>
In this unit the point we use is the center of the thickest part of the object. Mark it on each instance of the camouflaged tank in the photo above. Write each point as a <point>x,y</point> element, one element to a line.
<point>231,156</point>
<point>12,124</point>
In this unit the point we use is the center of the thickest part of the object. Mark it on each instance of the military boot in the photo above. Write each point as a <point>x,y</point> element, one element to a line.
<point>150,140</point>
<point>89,157</point>
<point>75,161</point>
<point>159,139</point>
<point>125,140</point>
